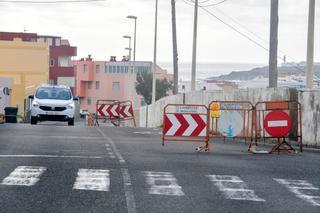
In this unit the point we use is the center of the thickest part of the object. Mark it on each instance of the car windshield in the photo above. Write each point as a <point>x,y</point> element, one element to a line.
<point>53,93</point>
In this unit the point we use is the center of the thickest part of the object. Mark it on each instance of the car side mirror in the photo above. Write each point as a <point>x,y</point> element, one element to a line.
<point>31,96</point>
<point>75,98</point>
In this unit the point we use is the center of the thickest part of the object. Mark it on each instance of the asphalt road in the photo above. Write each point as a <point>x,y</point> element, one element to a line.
<point>55,168</point>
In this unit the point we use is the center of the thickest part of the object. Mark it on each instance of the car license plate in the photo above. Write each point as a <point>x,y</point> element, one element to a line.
<point>51,113</point>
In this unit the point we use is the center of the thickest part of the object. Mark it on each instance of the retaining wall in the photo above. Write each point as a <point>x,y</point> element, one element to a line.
<point>152,115</point>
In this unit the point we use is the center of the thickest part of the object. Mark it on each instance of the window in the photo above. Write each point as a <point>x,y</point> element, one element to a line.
<point>49,41</point>
<point>118,69</point>
<point>97,68</point>
<point>85,68</point>
<point>106,68</point>
<point>58,41</point>
<point>126,69</point>
<point>65,61</point>
<point>115,86</point>
<point>89,101</point>
<point>97,84</point>
<point>122,69</point>
<point>89,85</point>
<point>53,93</point>
<point>51,62</point>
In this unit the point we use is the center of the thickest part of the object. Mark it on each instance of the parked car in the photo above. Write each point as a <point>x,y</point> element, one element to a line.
<point>53,103</point>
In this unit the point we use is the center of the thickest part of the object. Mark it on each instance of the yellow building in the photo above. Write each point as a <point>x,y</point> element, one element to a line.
<point>27,63</point>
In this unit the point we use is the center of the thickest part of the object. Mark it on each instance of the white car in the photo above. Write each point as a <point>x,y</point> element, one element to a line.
<point>53,103</point>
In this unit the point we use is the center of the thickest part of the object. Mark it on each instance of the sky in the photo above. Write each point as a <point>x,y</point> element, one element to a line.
<point>97,28</point>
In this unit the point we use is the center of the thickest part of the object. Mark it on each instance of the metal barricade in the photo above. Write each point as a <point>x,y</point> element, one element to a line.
<point>126,111</point>
<point>280,120</point>
<point>186,123</point>
<point>107,110</point>
<point>231,119</point>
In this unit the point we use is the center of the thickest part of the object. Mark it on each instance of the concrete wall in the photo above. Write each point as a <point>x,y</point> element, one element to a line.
<point>310,101</point>
<point>152,115</point>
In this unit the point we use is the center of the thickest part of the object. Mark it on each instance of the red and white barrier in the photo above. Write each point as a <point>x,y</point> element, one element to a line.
<point>186,123</point>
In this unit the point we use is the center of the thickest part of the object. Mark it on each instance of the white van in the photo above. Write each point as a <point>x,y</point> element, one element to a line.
<point>53,103</point>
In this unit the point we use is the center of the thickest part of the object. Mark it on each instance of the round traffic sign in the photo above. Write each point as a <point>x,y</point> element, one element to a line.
<point>277,123</point>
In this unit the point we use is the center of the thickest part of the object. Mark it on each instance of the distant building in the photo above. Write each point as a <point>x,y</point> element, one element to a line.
<point>61,68</point>
<point>112,80</point>
<point>209,85</point>
<point>27,64</point>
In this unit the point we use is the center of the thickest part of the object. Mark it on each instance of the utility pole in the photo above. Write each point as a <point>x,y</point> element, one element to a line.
<point>310,45</point>
<point>155,56</point>
<point>194,49</point>
<point>273,50</point>
<point>175,49</point>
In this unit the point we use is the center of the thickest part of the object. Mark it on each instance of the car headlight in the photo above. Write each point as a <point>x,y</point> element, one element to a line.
<point>70,106</point>
<point>35,104</point>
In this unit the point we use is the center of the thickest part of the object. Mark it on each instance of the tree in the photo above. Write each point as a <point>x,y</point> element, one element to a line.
<point>144,86</point>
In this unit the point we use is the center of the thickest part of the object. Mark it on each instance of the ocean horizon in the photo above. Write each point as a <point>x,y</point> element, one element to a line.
<point>207,70</point>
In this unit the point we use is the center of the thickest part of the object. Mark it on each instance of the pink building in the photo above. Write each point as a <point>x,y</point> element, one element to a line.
<point>110,80</point>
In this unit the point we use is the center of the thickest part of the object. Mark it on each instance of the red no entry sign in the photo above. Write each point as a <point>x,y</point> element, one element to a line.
<point>277,123</point>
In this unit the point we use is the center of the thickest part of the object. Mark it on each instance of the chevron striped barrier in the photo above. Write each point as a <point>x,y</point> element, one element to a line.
<point>108,110</point>
<point>126,111</point>
<point>186,123</point>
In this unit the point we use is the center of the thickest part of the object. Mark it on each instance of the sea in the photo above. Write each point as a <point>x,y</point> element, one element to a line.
<point>207,70</point>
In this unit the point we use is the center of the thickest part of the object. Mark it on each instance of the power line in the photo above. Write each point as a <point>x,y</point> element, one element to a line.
<point>241,33</point>
<point>209,5</point>
<point>48,2</point>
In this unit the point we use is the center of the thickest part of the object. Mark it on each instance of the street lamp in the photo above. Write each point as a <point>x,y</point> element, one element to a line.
<point>134,56</point>
<point>135,38</point>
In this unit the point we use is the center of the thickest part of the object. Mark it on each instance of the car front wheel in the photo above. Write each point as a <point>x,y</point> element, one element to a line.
<point>71,122</point>
<point>33,120</point>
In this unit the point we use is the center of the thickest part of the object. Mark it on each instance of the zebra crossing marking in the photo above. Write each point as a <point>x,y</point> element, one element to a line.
<point>92,179</point>
<point>163,183</point>
<point>24,176</point>
<point>299,188</point>
<point>234,188</point>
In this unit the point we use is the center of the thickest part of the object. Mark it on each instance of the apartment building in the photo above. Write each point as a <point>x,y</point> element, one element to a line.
<point>110,80</point>
<point>61,54</point>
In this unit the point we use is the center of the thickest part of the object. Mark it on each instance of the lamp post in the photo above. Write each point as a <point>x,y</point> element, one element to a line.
<point>134,57</point>
<point>155,56</point>
<point>134,40</point>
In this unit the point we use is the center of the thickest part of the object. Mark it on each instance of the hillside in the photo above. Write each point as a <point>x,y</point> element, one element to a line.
<point>264,72</point>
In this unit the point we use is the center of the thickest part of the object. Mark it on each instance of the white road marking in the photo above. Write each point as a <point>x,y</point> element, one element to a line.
<point>115,150</point>
<point>175,125</point>
<point>131,204</point>
<point>24,176</point>
<point>280,123</point>
<point>130,200</point>
<point>92,179</point>
<point>192,125</point>
<point>163,183</point>
<point>302,189</point>
<point>234,188</point>
<point>49,156</point>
